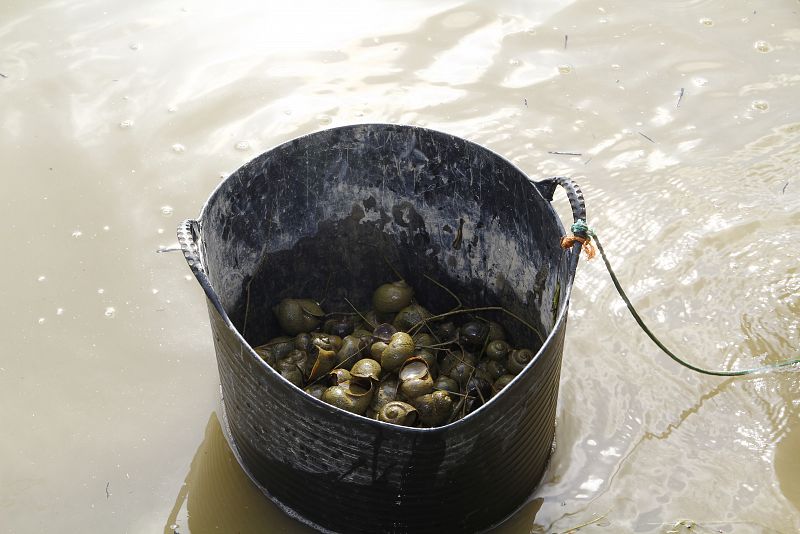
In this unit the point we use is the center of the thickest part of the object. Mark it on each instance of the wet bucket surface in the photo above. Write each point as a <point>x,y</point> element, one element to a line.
<point>329,216</point>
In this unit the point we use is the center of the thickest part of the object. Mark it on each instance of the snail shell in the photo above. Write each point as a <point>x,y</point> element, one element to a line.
<point>496,368</point>
<point>398,413</point>
<point>410,316</point>
<point>383,332</point>
<point>274,349</point>
<point>302,341</point>
<point>339,326</point>
<point>430,359</point>
<point>377,348</point>
<point>352,346</point>
<point>298,315</point>
<point>452,358</point>
<point>293,375</point>
<point>434,408</point>
<point>326,341</point>
<point>446,331</point>
<point>292,366</point>
<point>518,359</point>
<point>366,368</point>
<point>473,335</point>
<point>445,383</point>
<point>397,351</point>
<point>497,350</point>
<point>337,376</point>
<point>501,382</point>
<point>423,340</point>
<point>415,378</point>
<point>385,393</point>
<point>393,297</point>
<point>349,396</point>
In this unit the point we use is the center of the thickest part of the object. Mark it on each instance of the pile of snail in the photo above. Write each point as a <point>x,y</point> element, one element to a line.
<point>397,363</point>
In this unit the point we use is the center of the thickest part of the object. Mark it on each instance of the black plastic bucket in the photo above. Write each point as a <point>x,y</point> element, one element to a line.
<point>331,214</point>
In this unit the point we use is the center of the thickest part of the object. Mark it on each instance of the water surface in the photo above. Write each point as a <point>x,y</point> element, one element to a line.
<point>118,119</point>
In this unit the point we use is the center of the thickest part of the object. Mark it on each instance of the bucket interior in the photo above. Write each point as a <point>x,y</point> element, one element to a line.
<point>332,215</point>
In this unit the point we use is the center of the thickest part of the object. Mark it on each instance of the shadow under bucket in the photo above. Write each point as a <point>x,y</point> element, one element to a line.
<point>332,215</point>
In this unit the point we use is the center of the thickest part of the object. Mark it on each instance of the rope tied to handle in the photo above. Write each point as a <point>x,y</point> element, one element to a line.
<point>581,233</point>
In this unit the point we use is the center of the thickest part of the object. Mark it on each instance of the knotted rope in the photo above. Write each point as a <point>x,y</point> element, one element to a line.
<point>581,233</point>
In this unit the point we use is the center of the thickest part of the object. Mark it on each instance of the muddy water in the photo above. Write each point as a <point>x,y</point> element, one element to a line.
<point>119,118</point>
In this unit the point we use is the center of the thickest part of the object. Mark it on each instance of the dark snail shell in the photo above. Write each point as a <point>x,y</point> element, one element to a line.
<point>398,413</point>
<point>274,349</point>
<point>312,308</point>
<point>459,366</point>
<point>434,408</point>
<point>447,331</point>
<point>497,350</point>
<point>341,326</point>
<point>351,350</point>
<point>371,320</point>
<point>349,396</point>
<point>363,335</point>
<point>410,316</point>
<point>496,368</point>
<point>385,392</point>
<point>293,375</point>
<point>366,368</point>
<point>473,334</point>
<point>445,383</point>
<point>415,379</point>
<point>423,340</point>
<point>518,359</point>
<point>453,357</point>
<point>298,315</point>
<point>391,298</point>
<point>302,341</point>
<point>479,390</point>
<point>501,382</point>
<point>295,358</point>
<point>397,351</point>
<point>326,341</point>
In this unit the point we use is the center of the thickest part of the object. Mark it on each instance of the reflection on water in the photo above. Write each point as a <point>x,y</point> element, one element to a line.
<point>217,496</point>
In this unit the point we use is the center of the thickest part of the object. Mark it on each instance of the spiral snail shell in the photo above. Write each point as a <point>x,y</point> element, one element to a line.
<point>518,359</point>
<point>434,408</point>
<point>398,413</point>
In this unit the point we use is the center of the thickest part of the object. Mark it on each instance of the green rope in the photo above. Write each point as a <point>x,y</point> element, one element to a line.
<point>580,226</point>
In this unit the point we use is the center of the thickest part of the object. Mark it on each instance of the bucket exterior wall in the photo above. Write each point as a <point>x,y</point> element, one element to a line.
<point>345,473</point>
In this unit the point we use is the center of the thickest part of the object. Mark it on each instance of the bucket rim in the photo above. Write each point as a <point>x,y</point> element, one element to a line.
<point>210,293</point>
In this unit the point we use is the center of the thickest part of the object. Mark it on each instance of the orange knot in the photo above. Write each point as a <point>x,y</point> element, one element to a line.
<point>586,244</point>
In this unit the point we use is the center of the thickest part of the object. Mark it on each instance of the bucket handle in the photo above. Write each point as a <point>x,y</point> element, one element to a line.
<point>547,188</point>
<point>188,238</point>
